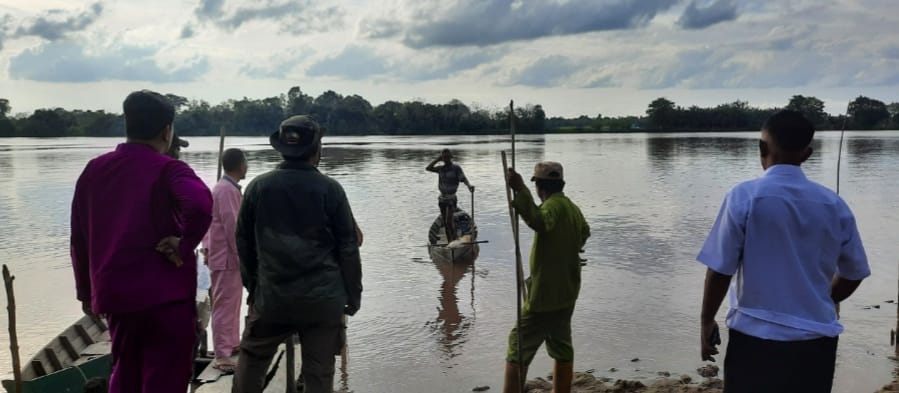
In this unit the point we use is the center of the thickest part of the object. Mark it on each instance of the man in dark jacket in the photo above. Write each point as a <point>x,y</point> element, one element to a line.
<point>299,260</point>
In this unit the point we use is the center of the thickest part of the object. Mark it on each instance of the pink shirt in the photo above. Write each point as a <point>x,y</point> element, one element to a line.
<point>221,241</point>
<point>125,202</point>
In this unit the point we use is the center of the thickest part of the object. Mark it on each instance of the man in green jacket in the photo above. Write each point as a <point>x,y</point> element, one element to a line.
<point>299,260</point>
<point>560,234</point>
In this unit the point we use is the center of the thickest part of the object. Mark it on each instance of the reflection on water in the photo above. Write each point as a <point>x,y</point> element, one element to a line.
<point>452,327</point>
<point>649,199</point>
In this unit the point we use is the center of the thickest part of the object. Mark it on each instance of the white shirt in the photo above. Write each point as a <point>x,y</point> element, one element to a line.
<point>783,238</point>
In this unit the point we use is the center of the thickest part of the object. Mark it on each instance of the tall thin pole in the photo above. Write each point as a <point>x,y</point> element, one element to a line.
<point>218,176</point>
<point>520,288</point>
<point>512,129</point>
<point>839,160</point>
<point>840,150</point>
<point>290,364</point>
<point>13,337</point>
<point>512,212</point>
<point>472,210</point>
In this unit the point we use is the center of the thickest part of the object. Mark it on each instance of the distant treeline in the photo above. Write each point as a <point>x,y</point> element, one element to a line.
<point>354,115</point>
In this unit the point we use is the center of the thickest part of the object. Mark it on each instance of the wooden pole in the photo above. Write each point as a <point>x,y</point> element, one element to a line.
<point>512,129</point>
<point>513,215</point>
<point>13,337</point>
<point>520,288</point>
<point>839,161</point>
<point>472,210</point>
<point>291,363</point>
<point>218,176</point>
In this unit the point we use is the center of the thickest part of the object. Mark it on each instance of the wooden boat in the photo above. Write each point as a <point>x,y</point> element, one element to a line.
<point>464,249</point>
<point>79,354</point>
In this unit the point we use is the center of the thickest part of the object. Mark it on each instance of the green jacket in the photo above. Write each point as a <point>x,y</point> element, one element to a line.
<point>297,244</point>
<point>561,232</point>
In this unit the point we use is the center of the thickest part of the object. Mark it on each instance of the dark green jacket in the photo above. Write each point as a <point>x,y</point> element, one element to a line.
<point>561,232</point>
<point>297,244</point>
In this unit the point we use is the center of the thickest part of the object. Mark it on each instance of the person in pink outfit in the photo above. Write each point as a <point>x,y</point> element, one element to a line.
<point>223,261</point>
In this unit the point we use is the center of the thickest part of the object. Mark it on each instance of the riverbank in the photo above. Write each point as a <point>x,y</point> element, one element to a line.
<point>587,383</point>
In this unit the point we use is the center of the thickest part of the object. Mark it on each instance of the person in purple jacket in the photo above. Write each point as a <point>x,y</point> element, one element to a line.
<point>137,216</point>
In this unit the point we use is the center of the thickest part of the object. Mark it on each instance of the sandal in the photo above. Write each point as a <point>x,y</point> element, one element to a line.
<point>225,366</point>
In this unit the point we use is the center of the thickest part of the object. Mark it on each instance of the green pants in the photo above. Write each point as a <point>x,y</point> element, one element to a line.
<point>553,327</point>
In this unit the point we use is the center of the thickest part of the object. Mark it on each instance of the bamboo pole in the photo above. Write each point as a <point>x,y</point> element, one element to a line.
<point>520,288</point>
<point>13,337</point>
<point>218,176</point>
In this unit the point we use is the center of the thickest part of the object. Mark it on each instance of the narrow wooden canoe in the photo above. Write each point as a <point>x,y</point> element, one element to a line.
<point>463,250</point>
<point>80,353</point>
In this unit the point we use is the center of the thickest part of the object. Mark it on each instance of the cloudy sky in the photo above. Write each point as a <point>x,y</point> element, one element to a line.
<point>572,56</point>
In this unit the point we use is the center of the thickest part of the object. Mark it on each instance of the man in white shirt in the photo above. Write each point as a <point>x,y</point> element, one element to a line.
<point>794,251</point>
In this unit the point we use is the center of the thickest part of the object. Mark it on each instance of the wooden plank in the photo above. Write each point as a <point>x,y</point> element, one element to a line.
<point>277,385</point>
<point>101,325</point>
<point>38,368</point>
<point>68,347</point>
<point>53,359</point>
<point>101,348</point>
<point>212,374</point>
<point>82,332</point>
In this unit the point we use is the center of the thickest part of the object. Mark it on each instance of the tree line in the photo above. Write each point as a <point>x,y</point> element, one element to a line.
<point>354,115</point>
<point>863,113</point>
<point>340,115</point>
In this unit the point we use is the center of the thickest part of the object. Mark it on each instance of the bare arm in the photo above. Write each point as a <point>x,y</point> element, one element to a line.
<point>716,285</point>
<point>432,166</point>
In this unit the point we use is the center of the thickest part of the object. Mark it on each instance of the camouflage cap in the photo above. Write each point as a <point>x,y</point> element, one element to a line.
<point>296,136</point>
<point>548,170</point>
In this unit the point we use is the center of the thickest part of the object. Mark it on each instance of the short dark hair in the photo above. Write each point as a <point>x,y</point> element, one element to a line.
<point>232,159</point>
<point>551,186</point>
<point>790,129</point>
<point>146,114</point>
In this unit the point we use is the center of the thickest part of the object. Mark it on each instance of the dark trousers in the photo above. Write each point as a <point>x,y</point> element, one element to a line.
<point>152,350</point>
<point>321,339</point>
<point>754,365</point>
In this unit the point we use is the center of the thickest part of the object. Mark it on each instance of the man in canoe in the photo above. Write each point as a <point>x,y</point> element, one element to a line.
<point>449,176</point>
<point>299,259</point>
<point>555,266</point>
<point>796,253</point>
<point>137,216</point>
<point>223,261</point>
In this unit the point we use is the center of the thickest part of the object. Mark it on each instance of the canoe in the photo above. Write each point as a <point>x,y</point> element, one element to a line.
<point>464,249</point>
<point>80,353</point>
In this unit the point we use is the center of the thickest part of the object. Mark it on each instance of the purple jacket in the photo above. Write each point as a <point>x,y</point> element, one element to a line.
<point>125,202</point>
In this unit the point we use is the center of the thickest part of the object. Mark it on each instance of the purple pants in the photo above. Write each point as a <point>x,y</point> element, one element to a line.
<point>152,350</point>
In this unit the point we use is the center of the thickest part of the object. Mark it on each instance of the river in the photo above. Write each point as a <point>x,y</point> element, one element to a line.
<point>650,200</point>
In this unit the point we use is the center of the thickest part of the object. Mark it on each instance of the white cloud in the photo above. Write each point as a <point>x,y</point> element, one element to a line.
<point>572,56</point>
<point>68,61</point>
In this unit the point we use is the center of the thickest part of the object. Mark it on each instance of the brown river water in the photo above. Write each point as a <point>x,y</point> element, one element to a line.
<point>650,200</point>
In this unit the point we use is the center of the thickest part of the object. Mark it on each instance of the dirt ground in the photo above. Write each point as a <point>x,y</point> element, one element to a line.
<point>587,383</point>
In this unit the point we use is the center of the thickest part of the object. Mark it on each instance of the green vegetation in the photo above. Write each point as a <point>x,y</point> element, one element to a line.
<point>354,115</point>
